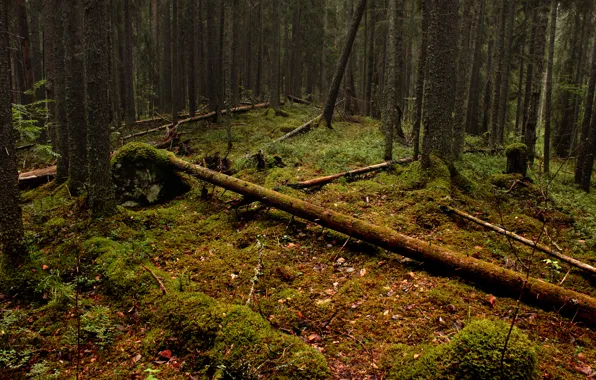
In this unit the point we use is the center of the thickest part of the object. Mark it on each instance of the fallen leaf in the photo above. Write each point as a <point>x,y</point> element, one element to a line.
<point>362,272</point>
<point>584,369</point>
<point>166,354</point>
<point>416,356</point>
<point>291,245</point>
<point>45,267</point>
<point>492,300</point>
<point>314,338</point>
<point>137,358</point>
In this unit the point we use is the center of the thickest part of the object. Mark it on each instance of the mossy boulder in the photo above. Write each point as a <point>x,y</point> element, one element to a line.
<point>473,354</point>
<point>144,175</point>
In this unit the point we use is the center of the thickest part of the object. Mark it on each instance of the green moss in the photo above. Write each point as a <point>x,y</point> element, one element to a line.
<point>504,181</point>
<point>473,354</point>
<point>515,148</point>
<point>134,152</point>
<point>279,177</point>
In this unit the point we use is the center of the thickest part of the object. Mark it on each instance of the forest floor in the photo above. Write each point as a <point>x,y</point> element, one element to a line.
<point>349,300</point>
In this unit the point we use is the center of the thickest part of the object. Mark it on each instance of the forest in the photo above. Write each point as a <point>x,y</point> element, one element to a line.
<point>297,189</point>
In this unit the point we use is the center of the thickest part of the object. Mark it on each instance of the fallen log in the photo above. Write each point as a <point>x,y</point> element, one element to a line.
<point>324,180</point>
<point>205,116</point>
<point>301,101</point>
<point>491,277</point>
<point>541,247</point>
<point>37,177</point>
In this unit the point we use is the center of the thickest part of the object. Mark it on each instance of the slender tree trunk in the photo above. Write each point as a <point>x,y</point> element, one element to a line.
<point>129,111</point>
<point>166,95</point>
<point>275,69</point>
<point>390,111</point>
<point>75,95</point>
<point>191,23</point>
<point>549,85</point>
<point>438,97</point>
<point>235,54</point>
<point>212,58</point>
<point>520,87</point>
<point>487,87</point>
<point>474,94</point>
<point>426,4</point>
<point>590,150</point>
<point>37,60</point>
<point>11,221</point>
<point>463,81</point>
<point>530,70</point>
<point>585,145</point>
<point>101,190</point>
<point>506,70</point>
<point>399,74</point>
<point>175,63</point>
<point>25,48</point>
<point>498,72</point>
<point>341,64</point>
<point>370,65</point>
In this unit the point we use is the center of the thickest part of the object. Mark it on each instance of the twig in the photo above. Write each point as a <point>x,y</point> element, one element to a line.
<point>258,273</point>
<point>161,285</point>
<point>565,278</point>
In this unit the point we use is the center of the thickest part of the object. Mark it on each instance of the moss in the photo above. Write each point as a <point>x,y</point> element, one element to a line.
<point>474,353</point>
<point>516,148</point>
<point>279,177</point>
<point>504,181</point>
<point>436,180</point>
<point>236,339</point>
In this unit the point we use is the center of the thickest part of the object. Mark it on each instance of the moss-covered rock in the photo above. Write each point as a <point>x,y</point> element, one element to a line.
<point>144,175</point>
<point>473,354</point>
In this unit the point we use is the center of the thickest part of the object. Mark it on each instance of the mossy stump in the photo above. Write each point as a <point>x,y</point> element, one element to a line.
<point>517,159</point>
<point>144,175</point>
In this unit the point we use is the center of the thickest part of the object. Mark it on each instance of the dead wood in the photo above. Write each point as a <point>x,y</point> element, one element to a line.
<point>324,180</point>
<point>209,115</point>
<point>298,100</point>
<point>541,247</point>
<point>490,276</point>
<point>37,177</point>
<point>159,283</point>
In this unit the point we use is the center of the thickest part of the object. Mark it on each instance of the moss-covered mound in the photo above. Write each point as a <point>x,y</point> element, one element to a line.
<point>473,354</point>
<point>143,175</point>
<point>220,340</point>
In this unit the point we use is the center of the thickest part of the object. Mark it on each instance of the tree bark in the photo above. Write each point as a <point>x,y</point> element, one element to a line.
<point>426,4</point>
<point>191,23</point>
<point>498,72</point>
<point>587,144</point>
<point>11,221</point>
<point>370,65</point>
<point>75,95</point>
<point>391,106</point>
<point>439,91</point>
<point>506,70</point>
<point>25,48</point>
<point>275,69</point>
<point>175,64</point>
<point>213,59</point>
<point>463,81</point>
<point>342,63</point>
<point>549,85</point>
<point>474,95</point>
<point>129,110</point>
<point>101,190</point>
<point>486,275</point>
<point>166,95</point>
<point>235,54</point>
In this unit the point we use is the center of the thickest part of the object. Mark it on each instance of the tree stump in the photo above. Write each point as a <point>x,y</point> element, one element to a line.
<point>517,159</point>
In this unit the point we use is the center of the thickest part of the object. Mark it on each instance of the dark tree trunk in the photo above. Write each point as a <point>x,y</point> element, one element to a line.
<point>530,135</point>
<point>498,71</point>
<point>399,74</point>
<point>506,70</point>
<point>213,58</point>
<point>438,97</point>
<point>487,88</point>
<point>74,64</point>
<point>25,48</point>
<point>520,87</point>
<point>370,65</point>
<point>37,60</point>
<point>341,64</point>
<point>474,94</point>
<point>275,69</point>
<point>390,109</point>
<point>517,159</point>
<point>426,4</point>
<point>235,54</point>
<point>101,189</point>
<point>11,222</point>
<point>166,96</point>
<point>590,150</point>
<point>585,145</point>
<point>129,110</point>
<point>463,81</point>
<point>549,85</point>
<point>530,70</point>
<point>175,80</point>
<point>191,56</point>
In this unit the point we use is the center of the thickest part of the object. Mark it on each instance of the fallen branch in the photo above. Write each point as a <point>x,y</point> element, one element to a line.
<point>37,177</point>
<point>324,180</point>
<point>300,101</point>
<point>161,285</point>
<point>258,272</point>
<point>490,276</point>
<point>205,116</point>
<point>541,247</point>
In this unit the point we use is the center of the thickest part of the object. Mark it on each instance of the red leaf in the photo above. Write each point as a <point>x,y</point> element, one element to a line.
<point>492,300</point>
<point>166,354</point>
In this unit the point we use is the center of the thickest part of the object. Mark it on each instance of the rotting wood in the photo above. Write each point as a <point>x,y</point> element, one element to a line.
<point>325,180</point>
<point>205,116</point>
<point>491,277</point>
<point>541,247</point>
<point>37,177</point>
<point>298,100</point>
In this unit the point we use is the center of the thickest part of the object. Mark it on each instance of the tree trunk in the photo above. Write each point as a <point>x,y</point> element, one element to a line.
<point>426,4</point>
<point>191,27</point>
<point>474,95</point>
<point>75,95</point>
<point>487,88</point>
<point>25,48</point>
<point>370,65</point>
<point>11,221</point>
<point>439,93</point>
<point>275,69</point>
<point>235,54</point>
<point>498,72</point>
<point>390,111</point>
<point>522,51</point>
<point>175,63</point>
<point>506,69</point>
<point>585,146</point>
<point>212,58</point>
<point>463,81</point>
<point>341,64</point>
<point>549,85</point>
<point>37,60</point>
<point>129,111</point>
<point>101,191</point>
<point>166,95</point>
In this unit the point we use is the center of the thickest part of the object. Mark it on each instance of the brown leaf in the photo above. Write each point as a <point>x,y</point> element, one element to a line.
<point>45,267</point>
<point>492,300</point>
<point>584,369</point>
<point>166,354</point>
<point>314,338</point>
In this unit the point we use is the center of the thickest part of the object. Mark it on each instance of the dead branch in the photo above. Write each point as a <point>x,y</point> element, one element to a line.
<point>161,285</point>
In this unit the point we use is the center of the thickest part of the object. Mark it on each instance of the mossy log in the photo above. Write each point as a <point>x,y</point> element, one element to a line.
<point>209,115</point>
<point>330,178</point>
<point>541,247</point>
<point>491,277</point>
